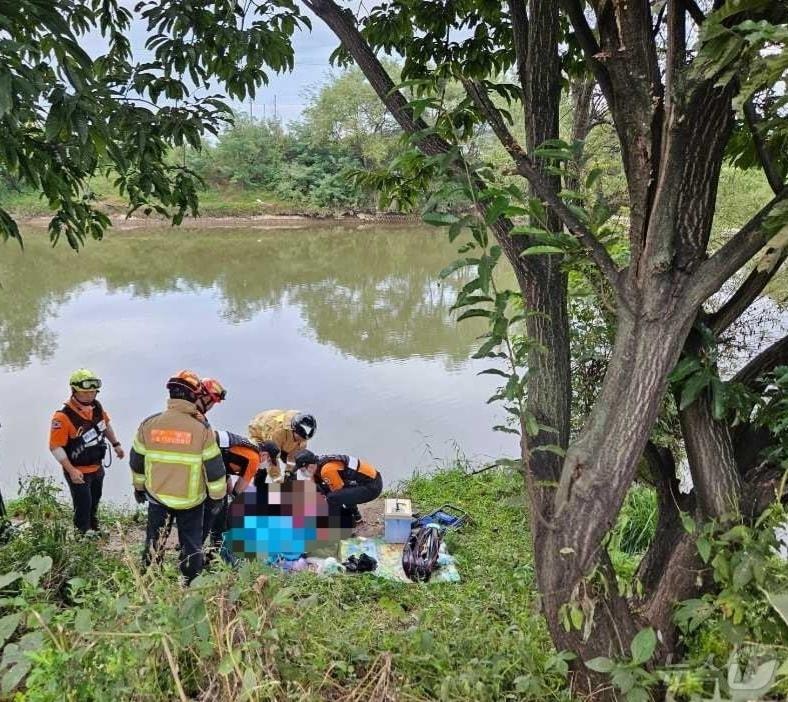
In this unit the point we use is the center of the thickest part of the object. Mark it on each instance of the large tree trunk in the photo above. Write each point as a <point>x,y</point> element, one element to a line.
<point>599,469</point>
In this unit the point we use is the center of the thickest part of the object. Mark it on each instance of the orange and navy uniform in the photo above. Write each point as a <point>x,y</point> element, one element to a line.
<point>337,471</point>
<point>77,425</point>
<point>241,457</point>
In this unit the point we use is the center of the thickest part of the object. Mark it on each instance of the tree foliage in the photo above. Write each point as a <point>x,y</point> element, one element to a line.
<point>65,115</point>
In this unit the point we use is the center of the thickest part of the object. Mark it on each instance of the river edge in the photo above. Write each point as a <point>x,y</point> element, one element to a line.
<point>264,222</point>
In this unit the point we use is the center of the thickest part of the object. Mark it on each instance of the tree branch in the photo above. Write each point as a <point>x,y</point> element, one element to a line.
<point>768,359</point>
<point>589,45</point>
<point>694,11</point>
<point>519,15</point>
<point>713,272</point>
<point>769,167</point>
<point>748,291</point>
<point>526,168</point>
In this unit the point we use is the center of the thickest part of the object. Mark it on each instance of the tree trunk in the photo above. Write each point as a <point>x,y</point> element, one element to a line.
<point>571,558</point>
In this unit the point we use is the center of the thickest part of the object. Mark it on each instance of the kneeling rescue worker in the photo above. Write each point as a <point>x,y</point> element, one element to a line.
<point>346,480</point>
<point>288,429</point>
<point>174,460</point>
<point>77,441</point>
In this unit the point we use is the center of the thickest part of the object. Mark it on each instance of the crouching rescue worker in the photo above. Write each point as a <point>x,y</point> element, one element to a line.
<point>174,461</point>
<point>77,441</point>
<point>346,481</point>
<point>243,459</point>
<point>290,430</point>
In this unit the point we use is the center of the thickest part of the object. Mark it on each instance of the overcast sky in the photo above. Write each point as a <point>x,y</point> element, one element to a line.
<point>312,50</point>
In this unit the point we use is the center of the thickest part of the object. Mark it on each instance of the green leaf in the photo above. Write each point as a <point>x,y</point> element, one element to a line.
<point>550,448</point>
<point>226,666</point>
<point>592,177</point>
<point>39,566</point>
<point>457,265</point>
<point>440,219</point>
<point>531,425</point>
<point>704,548</point>
<point>717,398</point>
<point>83,622</point>
<point>600,665</point>
<point>493,371</point>
<point>684,368</point>
<point>779,603</point>
<point>742,574</point>
<point>693,388</point>
<point>15,676</point>
<point>8,578</point>
<point>6,97</point>
<point>8,626</point>
<point>474,313</point>
<point>688,523</point>
<point>643,645</point>
<point>542,249</point>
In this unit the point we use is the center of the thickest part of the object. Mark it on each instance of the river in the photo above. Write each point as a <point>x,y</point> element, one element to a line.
<point>351,324</point>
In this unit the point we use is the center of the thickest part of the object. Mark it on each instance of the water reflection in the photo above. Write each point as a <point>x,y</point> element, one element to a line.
<point>371,294</point>
<point>352,325</point>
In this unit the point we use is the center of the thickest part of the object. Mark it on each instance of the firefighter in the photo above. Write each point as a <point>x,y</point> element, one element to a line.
<point>77,439</point>
<point>346,481</point>
<point>175,461</point>
<point>212,394</point>
<point>290,430</point>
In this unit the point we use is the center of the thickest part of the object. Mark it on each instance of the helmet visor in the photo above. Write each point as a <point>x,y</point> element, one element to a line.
<point>87,384</point>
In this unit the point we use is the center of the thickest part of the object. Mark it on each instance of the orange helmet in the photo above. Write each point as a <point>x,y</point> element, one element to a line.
<point>213,389</point>
<point>186,379</point>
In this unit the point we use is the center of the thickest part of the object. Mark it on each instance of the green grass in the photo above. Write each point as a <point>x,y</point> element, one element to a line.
<point>215,201</point>
<point>97,629</point>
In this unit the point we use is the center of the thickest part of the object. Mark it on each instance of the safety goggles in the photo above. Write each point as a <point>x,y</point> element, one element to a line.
<point>215,392</point>
<point>87,384</point>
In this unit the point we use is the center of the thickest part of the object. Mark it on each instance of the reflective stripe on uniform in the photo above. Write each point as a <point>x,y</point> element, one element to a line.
<point>353,462</point>
<point>194,492</point>
<point>217,489</point>
<point>138,480</point>
<point>223,439</point>
<point>211,452</point>
<point>138,447</point>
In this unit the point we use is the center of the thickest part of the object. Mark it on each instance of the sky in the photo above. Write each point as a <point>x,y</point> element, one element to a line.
<point>285,92</point>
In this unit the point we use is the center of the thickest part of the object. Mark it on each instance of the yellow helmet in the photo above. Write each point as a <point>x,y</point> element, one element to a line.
<point>84,379</point>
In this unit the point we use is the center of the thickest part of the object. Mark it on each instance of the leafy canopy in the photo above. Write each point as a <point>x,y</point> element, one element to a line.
<point>64,115</point>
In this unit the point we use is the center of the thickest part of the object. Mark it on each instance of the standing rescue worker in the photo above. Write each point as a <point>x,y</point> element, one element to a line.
<point>174,461</point>
<point>346,481</point>
<point>77,441</point>
<point>290,430</point>
<point>243,459</point>
<point>212,393</point>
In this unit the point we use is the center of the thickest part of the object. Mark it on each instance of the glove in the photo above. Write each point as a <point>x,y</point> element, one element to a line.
<point>140,496</point>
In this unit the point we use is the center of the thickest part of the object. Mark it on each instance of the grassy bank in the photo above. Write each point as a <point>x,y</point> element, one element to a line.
<point>215,201</point>
<point>92,627</point>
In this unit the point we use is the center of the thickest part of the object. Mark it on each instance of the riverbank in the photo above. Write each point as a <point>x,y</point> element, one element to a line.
<point>262,222</point>
<point>216,203</point>
<point>107,631</point>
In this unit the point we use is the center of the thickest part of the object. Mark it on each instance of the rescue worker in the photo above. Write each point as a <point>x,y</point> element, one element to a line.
<point>174,461</point>
<point>212,394</point>
<point>77,441</point>
<point>290,430</point>
<point>243,459</point>
<point>346,481</point>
